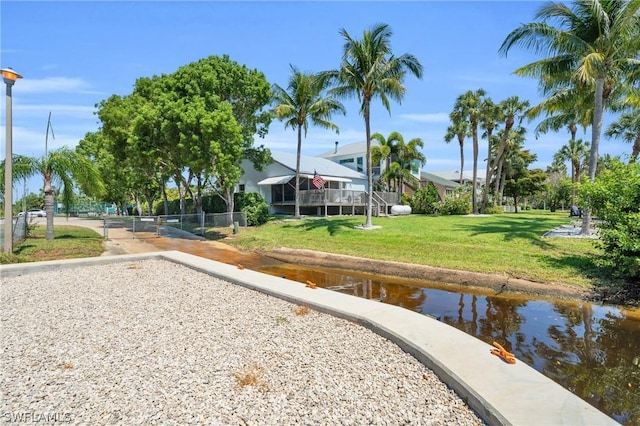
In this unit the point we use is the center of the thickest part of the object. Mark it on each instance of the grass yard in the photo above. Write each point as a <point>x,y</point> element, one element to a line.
<point>70,242</point>
<point>508,243</point>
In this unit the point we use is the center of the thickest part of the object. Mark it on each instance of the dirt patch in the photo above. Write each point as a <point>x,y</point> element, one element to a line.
<point>500,283</point>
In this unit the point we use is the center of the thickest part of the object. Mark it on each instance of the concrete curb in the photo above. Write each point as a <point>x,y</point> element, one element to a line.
<point>501,394</point>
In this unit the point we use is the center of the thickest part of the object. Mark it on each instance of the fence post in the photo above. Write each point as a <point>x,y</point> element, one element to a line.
<point>202,223</point>
<point>105,232</point>
<point>133,227</point>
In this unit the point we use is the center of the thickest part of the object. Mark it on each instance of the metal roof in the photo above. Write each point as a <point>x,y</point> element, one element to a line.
<point>276,180</point>
<point>439,180</point>
<point>311,165</point>
<point>349,149</point>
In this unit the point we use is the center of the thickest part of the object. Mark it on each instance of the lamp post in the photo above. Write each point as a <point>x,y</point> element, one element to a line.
<point>9,76</point>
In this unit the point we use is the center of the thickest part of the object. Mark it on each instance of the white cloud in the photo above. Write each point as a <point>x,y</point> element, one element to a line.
<point>77,111</point>
<point>53,84</point>
<point>438,117</point>
<point>26,141</point>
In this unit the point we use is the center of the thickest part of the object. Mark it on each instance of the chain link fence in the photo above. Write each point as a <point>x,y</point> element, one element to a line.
<point>173,225</point>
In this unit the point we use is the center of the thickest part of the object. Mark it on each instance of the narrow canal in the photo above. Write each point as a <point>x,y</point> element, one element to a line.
<point>591,350</point>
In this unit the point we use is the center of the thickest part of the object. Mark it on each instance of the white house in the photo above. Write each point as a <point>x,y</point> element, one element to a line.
<point>353,156</point>
<point>343,190</point>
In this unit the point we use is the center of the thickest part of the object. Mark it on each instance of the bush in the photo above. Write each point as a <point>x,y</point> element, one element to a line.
<point>458,204</point>
<point>424,200</point>
<point>615,198</point>
<point>494,210</point>
<point>254,206</point>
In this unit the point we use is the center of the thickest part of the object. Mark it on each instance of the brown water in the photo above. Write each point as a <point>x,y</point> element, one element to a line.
<point>591,350</point>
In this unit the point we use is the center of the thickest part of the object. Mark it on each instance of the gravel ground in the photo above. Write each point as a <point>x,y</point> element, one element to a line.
<point>152,342</point>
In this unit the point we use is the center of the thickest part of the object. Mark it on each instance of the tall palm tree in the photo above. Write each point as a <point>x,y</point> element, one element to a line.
<point>468,106</point>
<point>488,121</point>
<point>627,127</point>
<point>61,168</point>
<point>576,152</point>
<point>370,70</point>
<point>458,129</point>
<point>387,151</point>
<point>302,102</point>
<point>565,107</point>
<point>514,141</point>
<point>593,47</point>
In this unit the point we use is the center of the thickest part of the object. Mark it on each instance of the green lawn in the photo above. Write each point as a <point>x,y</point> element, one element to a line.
<point>506,243</point>
<point>70,242</point>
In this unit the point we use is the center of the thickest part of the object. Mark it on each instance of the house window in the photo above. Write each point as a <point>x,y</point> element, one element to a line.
<point>241,187</point>
<point>346,160</point>
<point>360,168</point>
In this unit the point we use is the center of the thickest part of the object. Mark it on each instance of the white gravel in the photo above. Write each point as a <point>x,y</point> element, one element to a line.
<point>153,342</point>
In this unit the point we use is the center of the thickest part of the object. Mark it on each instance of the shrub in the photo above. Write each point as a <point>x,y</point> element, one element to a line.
<point>494,210</point>
<point>424,200</point>
<point>254,205</point>
<point>457,204</point>
<point>615,198</point>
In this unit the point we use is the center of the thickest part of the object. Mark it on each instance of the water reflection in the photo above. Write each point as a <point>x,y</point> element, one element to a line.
<point>592,350</point>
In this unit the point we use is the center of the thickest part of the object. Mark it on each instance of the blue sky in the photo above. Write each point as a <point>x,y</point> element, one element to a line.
<point>75,54</point>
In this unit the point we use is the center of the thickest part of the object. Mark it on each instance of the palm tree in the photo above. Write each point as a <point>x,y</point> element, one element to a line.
<point>369,69</point>
<point>387,151</point>
<point>468,107</point>
<point>576,152</point>
<point>409,156</point>
<point>61,168</point>
<point>627,127</point>
<point>458,129</point>
<point>566,107</point>
<point>303,102</point>
<point>490,115</point>
<point>593,47</point>
<point>514,141</point>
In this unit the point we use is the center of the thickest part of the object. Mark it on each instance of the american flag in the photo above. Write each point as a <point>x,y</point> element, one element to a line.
<point>318,182</point>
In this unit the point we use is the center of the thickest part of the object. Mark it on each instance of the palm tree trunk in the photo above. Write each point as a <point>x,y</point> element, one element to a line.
<point>461,143</point>
<point>48,205</point>
<point>487,179</point>
<point>574,179</point>
<point>635,151</point>
<point>596,130</point>
<point>367,126</point>
<point>503,179</point>
<point>474,201</point>
<point>297,195</point>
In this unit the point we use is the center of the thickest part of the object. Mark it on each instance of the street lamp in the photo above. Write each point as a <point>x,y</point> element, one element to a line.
<point>9,76</point>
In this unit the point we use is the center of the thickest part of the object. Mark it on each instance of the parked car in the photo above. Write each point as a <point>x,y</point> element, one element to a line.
<point>34,213</point>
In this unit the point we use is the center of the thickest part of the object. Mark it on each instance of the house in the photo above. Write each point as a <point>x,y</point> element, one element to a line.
<point>444,186</point>
<point>353,156</point>
<point>342,190</point>
<point>467,176</point>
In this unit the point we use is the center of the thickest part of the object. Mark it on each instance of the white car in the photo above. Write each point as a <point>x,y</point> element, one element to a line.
<point>34,213</point>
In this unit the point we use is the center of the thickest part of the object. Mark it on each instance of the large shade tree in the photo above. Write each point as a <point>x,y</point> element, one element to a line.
<point>370,70</point>
<point>304,101</point>
<point>592,46</point>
